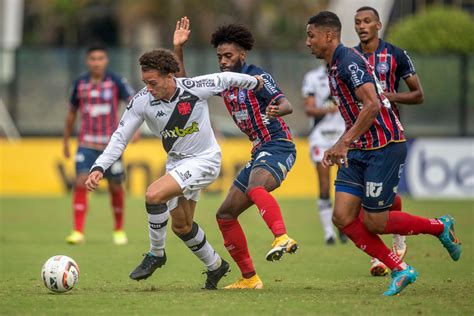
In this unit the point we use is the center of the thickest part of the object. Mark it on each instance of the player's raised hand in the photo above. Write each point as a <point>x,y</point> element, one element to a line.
<point>93,180</point>
<point>181,33</point>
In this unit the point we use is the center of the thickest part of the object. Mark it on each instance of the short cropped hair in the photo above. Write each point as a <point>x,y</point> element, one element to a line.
<point>162,60</point>
<point>233,33</point>
<point>326,18</point>
<point>96,47</point>
<point>367,8</point>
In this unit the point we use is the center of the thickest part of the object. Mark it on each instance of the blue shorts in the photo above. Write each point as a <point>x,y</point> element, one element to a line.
<point>277,156</point>
<point>373,175</point>
<point>85,158</point>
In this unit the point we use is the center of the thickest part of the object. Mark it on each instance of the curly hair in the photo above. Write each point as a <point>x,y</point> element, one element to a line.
<point>162,60</point>
<point>233,33</point>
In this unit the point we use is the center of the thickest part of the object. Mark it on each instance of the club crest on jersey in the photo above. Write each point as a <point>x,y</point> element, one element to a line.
<point>382,68</point>
<point>180,132</point>
<point>184,108</point>
<point>107,94</point>
<point>241,96</point>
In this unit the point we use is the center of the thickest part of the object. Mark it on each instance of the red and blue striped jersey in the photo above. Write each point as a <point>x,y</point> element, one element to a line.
<point>348,71</point>
<point>98,104</point>
<point>390,64</point>
<point>247,108</point>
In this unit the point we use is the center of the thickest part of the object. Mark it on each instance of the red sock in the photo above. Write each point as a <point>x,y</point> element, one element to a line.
<point>236,245</point>
<point>371,244</point>
<point>79,205</point>
<point>396,207</point>
<point>117,207</point>
<point>269,209</point>
<point>406,224</point>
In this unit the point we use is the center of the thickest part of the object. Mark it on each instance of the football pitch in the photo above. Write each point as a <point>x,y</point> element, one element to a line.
<point>316,280</point>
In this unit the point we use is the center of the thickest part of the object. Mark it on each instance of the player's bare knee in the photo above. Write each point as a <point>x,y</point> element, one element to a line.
<point>224,213</point>
<point>181,228</point>
<point>340,221</point>
<point>154,196</point>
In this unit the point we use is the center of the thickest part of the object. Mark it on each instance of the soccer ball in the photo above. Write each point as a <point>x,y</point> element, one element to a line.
<point>60,273</point>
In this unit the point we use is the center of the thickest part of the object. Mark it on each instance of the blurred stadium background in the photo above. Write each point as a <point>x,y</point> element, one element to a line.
<point>43,46</point>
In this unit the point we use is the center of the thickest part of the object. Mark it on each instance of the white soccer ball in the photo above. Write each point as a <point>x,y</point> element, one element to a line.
<point>60,273</point>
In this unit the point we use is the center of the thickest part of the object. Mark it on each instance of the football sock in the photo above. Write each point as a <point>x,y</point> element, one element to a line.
<point>79,202</point>
<point>118,208</point>
<point>269,210</point>
<point>325,214</point>
<point>406,224</point>
<point>196,241</point>
<point>236,245</point>
<point>158,215</point>
<point>371,244</point>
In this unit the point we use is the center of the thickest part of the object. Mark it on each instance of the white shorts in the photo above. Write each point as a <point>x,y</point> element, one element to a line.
<point>321,139</point>
<point>193,174</point>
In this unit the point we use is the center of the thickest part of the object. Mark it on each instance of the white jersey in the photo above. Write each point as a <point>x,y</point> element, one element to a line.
<point>326,130</point>
<point>182,122</point>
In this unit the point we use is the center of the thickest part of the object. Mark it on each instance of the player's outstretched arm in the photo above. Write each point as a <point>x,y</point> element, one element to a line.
<point>93,180</point>
<point>414,96</point>
<point>180,37</point>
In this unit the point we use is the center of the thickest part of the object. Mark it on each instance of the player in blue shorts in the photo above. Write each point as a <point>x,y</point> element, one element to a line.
<point>96,97</point>
<point>390,64</point>
<point>258,115</point>
<point>370,154</point>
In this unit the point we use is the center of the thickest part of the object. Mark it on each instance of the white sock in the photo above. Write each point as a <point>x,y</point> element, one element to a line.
<point>325,214</point>
<point>196,241</point>
<point>158,215</point>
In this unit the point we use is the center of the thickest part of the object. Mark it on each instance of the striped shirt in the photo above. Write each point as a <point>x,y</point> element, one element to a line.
<point>348,71</point>
<point>390,64</point>
<point>98,104</point>
<point>247,109</point>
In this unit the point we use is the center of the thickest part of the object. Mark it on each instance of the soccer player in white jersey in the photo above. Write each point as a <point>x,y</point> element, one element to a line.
<point>176,110</point>
<point>327,126</point>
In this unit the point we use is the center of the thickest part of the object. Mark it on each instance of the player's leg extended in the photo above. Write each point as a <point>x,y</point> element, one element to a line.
<point>261,183</point>
<point>235,242</point>
<point>79,206</point>
<point>324,203</point>
<point>156,196</point>
<point>194,237</point>
<point>117,199</point>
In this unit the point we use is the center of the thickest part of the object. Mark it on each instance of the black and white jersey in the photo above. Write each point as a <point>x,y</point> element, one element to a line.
<point>182,122</point>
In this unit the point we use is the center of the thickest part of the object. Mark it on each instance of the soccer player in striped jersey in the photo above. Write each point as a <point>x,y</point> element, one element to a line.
<point>96,97</point>
<point>370,156</point>
<point>390,64</point>
<point>258,115</point>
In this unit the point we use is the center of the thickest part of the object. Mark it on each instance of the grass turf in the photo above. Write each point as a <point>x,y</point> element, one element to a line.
<point>316,280</point>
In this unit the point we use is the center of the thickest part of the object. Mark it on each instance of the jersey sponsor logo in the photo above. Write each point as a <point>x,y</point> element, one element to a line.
<point>188,83</point>
<point>99,109</point>
<point>373,189</point>
<point>140,93</point>
<point>180,132</point>
<point>241,115</point>
<point>269,84</point>
<point>185,97</point>
<point>205,83</point>
<point>184,108</point>
<point>122,123</point>
<point>160,114</point>
<point>265,119</point>
<point>356,74</point>
<point>382,68</point>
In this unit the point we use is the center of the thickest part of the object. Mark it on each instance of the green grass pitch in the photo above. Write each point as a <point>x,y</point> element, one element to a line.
<point>316,280</point>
